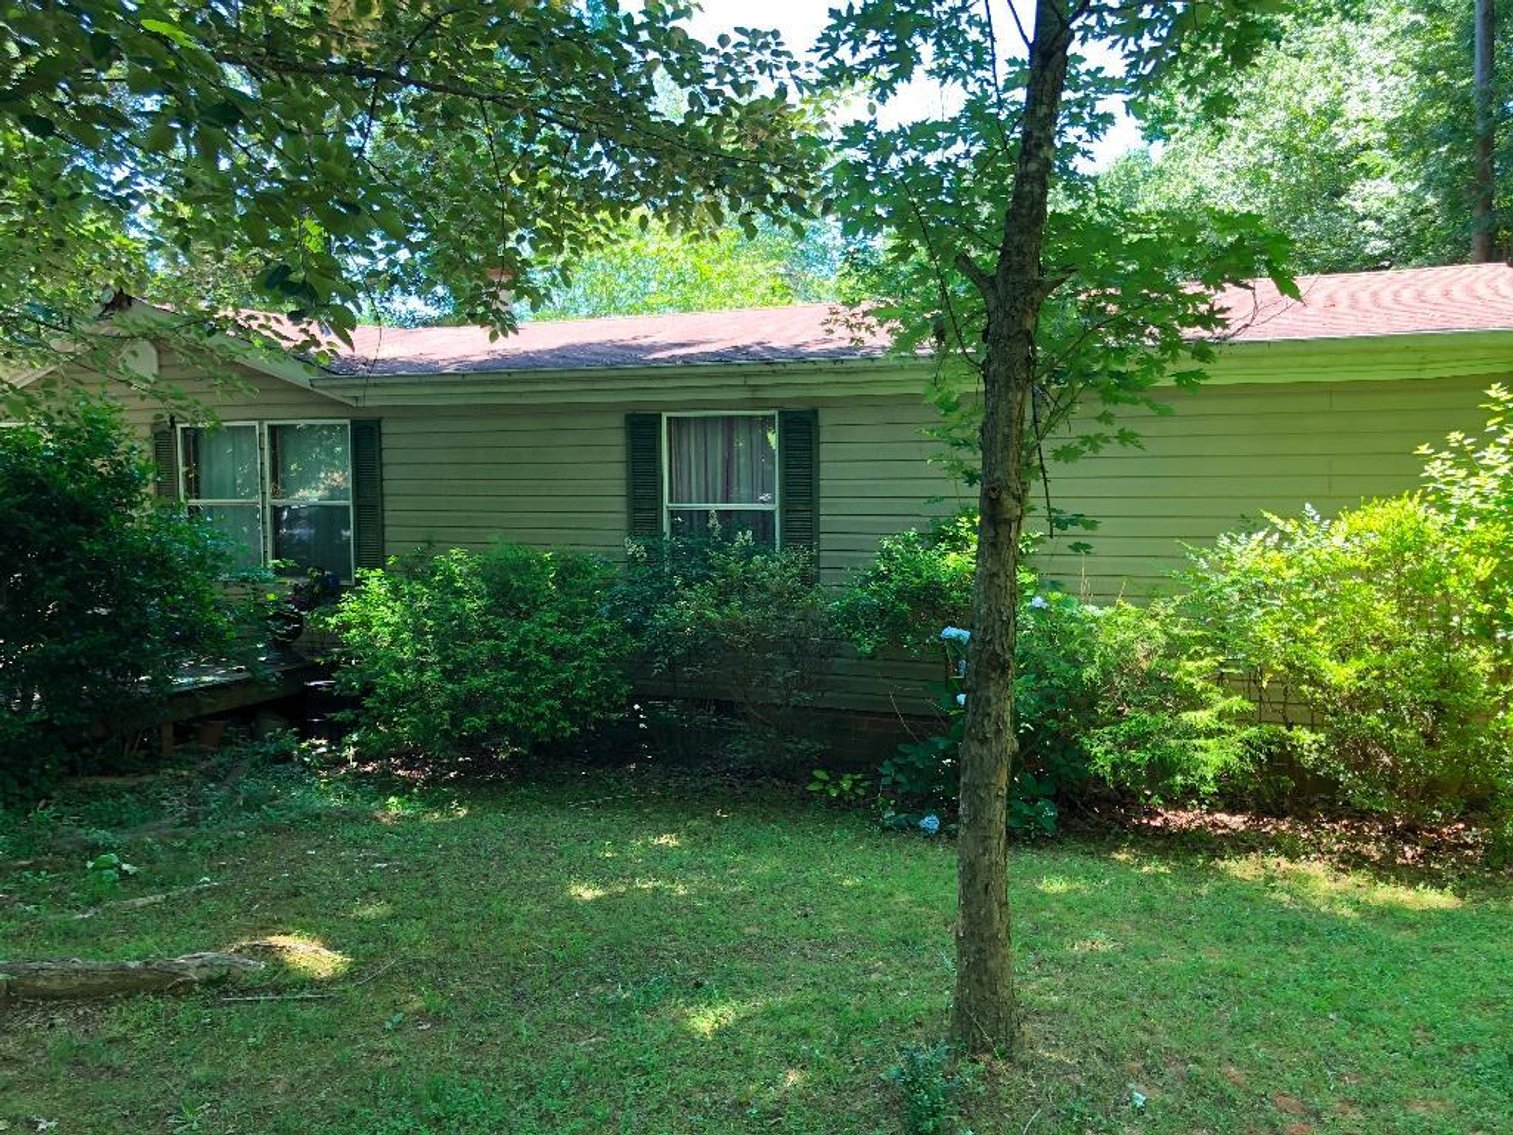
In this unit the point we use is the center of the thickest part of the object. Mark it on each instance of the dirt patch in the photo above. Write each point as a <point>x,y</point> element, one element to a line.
<point>1291,1105</point>
<point>1422,853</point>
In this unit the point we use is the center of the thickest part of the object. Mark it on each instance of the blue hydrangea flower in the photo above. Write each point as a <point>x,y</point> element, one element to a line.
<point>961,699</point>
<point>930,824</point>
<point>956,634</point>
<point>1040,603</point>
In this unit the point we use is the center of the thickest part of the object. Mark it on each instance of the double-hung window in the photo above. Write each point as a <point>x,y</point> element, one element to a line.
<point>310,495</point>
<point>721,469</point>
<point>747,470</point>
<point>278,491</point>
<point>222,482</point>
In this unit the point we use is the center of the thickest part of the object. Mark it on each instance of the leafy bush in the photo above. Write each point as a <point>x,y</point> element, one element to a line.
<point>1380,632</point>
<point>104,596</point>
<point>918,583</point>
<point>1107,698</point>
<point>1470,483</point>
<point>504,649</point>
<point>1145,708</point>
<point>724,618</point>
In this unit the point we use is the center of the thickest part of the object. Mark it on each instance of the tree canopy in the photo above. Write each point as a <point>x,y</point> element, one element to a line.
<point>657,269</point>
<point>1352,132</point>
<point>1129,279</point>
<point>310,158</point>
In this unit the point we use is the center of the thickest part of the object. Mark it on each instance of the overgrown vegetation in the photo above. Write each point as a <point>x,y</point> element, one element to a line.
<point>465,651</point>
<point>918,583</point>
<point>1112,699</point>
<point>103,595</point>
<point>1360,662</point>
<point>1366,638</point>
<point>513,649</point>
<point>722,619</point>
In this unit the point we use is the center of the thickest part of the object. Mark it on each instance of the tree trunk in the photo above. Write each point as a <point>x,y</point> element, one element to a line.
<point>1484,174</point>
<point>984,1014</point>
<point>59,980</point>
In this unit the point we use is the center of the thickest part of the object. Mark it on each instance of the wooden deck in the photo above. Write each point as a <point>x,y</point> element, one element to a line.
<point>208,690</point>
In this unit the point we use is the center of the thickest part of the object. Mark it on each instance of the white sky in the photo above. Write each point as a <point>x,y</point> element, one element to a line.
<point>801,21</point>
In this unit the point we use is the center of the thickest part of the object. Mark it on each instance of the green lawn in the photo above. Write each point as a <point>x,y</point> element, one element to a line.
<point>614,952</point>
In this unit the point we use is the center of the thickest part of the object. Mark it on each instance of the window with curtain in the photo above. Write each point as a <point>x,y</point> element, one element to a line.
<point>310,495</point>
<point>222,483</point>
<point>281,491</point>
<point>722,469</point>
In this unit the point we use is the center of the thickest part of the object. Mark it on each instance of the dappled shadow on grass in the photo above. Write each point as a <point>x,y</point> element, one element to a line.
<point>1454,853</point>
<point>1251,992</point>
<point>601,950</point>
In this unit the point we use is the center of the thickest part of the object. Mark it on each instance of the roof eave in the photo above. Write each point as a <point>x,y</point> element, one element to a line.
<point>138,319</point>
<point>648,384</point>
<point>1348,358</point>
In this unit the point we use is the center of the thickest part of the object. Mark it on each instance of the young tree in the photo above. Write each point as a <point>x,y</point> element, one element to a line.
<point>320,155</point>
<point>1038,293</point>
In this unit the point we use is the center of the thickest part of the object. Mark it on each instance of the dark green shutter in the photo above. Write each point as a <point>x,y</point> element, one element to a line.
<point>643,474</point>
<point>798,471</point>
<point>367,494</point>
<point>165,459</point>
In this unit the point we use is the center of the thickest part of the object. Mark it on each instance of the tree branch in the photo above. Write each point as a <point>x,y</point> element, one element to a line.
<point>1018,23</point>
<point>984,281</point>
<point>585,122</point>
<point>940,277</point>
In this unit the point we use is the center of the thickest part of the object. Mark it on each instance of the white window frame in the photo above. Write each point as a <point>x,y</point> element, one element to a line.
<point>265,502</point>
<point>668,505</point>
<point>259,502</point>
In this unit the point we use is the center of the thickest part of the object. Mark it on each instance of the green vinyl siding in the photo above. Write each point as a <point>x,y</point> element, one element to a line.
<point>557,477</point>
<point>458,478</point>
<point>1231,453</point>
<point>240,395</point>
<point>541,458</point>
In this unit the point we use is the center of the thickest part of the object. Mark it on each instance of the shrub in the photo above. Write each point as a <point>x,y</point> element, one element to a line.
<point>1106,698</point>
<point>1470,483</point>
<point>724,618</point>
<point>104,596</point>
<point>1145,709</point>
<point>1376,632</point>
<point>918,583</point>
<point>500,650</point>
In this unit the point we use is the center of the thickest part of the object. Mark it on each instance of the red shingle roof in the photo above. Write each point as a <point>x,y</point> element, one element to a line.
<point>1476,297</point>
<point>750,335</point>
<point>1408,301</point>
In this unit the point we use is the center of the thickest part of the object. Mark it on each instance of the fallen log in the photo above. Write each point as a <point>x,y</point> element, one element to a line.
<point>76,978</point>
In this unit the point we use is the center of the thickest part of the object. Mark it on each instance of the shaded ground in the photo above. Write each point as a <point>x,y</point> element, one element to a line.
<point>1443,853</point>
<point>610,951</point>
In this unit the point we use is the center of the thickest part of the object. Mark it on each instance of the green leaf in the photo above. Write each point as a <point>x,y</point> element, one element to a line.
<point>102,47</point>
<point>37,124</point>
<point>225,114</point>
<point>169,31</point>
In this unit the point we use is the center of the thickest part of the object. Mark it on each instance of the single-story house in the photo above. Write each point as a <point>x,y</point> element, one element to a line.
<point>580,433</point>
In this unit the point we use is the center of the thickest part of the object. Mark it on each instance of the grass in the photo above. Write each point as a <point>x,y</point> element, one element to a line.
<point>610,951</point>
